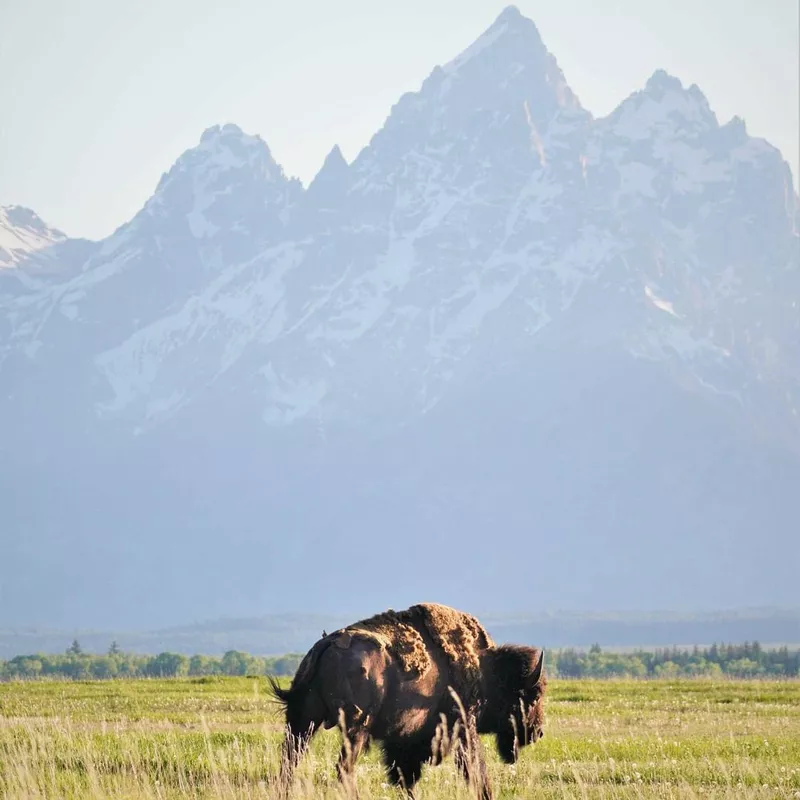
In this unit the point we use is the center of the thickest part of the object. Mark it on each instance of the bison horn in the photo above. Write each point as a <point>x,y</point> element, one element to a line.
<point>537,670</point>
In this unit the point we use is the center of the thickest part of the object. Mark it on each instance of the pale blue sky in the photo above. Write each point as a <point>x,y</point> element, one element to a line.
<point>99,97</point>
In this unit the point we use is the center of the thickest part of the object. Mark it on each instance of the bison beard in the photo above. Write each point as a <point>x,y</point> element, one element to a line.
<point>424,682</point>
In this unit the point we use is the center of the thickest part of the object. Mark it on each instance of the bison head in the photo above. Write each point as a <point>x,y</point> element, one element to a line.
<point>516,705</point>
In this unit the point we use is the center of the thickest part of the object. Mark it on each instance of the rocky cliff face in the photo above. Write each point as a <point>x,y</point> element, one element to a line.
<point>512,355</point>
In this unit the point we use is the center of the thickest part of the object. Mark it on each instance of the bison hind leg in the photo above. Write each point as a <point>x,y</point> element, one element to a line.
<point>295,743</point>
<point>304,718</point>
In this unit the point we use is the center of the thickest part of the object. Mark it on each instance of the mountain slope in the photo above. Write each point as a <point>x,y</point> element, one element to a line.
<point>507,337</point>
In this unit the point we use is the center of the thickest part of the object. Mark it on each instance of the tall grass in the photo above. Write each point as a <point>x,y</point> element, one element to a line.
<point>221,739</point>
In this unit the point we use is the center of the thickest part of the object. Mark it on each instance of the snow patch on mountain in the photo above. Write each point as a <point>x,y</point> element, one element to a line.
<point>154,365</point>
<point>658,302</point>
<point>289,401</point>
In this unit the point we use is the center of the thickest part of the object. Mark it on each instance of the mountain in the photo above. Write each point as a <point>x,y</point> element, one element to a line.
<point>511,357</point>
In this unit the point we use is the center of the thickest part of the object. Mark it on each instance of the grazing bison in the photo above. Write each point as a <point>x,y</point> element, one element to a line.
<point>424,682</point>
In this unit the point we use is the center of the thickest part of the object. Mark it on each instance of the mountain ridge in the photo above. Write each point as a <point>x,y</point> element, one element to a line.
<point>281,634</point>
<point>502,315</point>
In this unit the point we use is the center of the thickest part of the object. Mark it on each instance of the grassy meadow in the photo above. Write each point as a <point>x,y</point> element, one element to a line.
<point>218,737</point>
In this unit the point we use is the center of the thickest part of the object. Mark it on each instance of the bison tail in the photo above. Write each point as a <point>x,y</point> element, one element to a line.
<point>279,693</point>
<point>304,675</point>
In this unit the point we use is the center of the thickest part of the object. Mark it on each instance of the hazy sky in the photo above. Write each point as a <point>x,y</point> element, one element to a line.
<point>99,97</point>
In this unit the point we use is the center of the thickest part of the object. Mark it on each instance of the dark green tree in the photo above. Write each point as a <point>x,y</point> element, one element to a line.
<point>235,662</point>
<point>168,665</point>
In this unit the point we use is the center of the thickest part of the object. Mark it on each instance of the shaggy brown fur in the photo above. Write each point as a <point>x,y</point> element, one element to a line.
<point>389,677</point>
<point>459,636</point>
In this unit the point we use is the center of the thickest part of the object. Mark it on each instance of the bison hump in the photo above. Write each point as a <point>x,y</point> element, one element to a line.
<point>402,641</point>
<point>459,636</point>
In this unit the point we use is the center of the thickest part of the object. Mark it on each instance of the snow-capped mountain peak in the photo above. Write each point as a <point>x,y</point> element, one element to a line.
<point>226,161</point>
<point>229,147</point>
<point>664,108</point>
<point>509,29</point>
<point>22,233</point>
<point>509,59</point>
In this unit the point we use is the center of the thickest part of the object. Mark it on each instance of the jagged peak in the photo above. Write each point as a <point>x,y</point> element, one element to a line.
<point>332,176</point>
<point>222,148</point>
<point>510,23</point>
<point>217,131</point>
<point>230,137</point>
<point>736,123</point>
<point>332,167</point>
<point>227,165</point>
<point>507,65</point>
<point>506,71</point>
<point>334,159</point>
<point>661,84</point>
<point>230,143</point>
<point>662,81</point>
<point>510,13</point>
<point>662,102</point>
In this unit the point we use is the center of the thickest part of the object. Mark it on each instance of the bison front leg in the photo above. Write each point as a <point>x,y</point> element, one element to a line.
<point>352,745</point>
<point>471,761</point>
<point>355,738</point>
<point>404,761</point>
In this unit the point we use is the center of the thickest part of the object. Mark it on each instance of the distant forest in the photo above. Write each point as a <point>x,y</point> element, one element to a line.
<point>748,660</point>
<point>275,634</point>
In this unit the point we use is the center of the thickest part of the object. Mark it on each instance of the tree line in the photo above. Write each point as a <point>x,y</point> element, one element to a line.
<point>748,660</point>
<point>76,664</point>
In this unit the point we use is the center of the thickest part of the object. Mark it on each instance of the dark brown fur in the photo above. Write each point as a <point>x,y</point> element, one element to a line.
<point>418,681</point>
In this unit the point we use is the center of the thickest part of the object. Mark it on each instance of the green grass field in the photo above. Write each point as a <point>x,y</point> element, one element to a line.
<point>219,737</point>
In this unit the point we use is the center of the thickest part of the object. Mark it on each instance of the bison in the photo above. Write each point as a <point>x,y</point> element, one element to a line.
<point>423,682</point>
